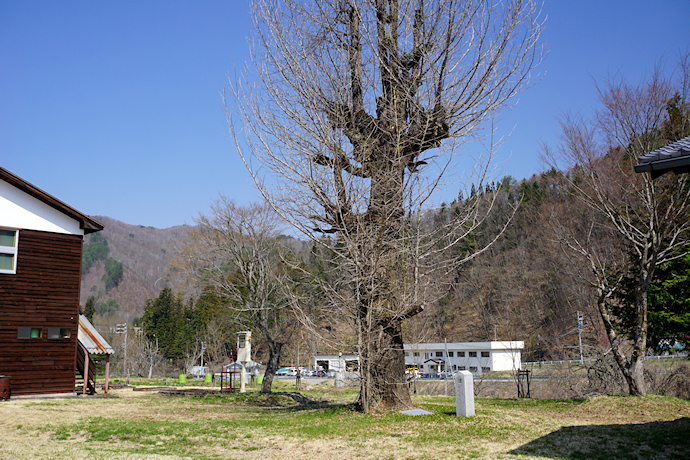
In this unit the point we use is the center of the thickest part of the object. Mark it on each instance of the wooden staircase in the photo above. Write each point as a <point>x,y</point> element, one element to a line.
<point>90,376</point>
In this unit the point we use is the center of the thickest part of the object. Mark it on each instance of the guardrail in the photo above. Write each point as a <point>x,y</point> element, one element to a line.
<point>571,361</point>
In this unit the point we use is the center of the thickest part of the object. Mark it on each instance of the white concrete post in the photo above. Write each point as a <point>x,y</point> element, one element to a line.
<point>243,377</point>
<point>464,394</point>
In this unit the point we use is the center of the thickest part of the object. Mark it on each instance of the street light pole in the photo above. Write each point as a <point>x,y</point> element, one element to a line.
<point>203,347</point>
<point>580,323</point>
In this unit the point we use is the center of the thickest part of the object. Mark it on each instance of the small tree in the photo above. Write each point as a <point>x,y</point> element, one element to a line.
<point>236,250</point>
<point>650,218</point>
<point>90,308</point>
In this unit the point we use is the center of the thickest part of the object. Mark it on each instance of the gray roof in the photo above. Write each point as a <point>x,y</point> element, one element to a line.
<point>674,157</point>
<point>90,339</point>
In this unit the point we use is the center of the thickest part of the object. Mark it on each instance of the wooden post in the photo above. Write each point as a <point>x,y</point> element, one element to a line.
<point>86,370</point>
<point>107,371</point>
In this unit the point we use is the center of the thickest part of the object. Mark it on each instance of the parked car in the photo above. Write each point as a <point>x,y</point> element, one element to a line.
<point>287,372</point>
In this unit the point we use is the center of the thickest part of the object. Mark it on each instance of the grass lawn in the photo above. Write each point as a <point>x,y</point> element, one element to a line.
<point>145,424</point>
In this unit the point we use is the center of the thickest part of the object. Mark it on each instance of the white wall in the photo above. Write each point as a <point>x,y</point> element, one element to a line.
<point>506,360</point>
<point>20,210</point>
<point>503,356</point>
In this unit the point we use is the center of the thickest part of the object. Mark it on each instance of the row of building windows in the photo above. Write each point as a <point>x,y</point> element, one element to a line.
<point>8,250</point>
<point>53,333</point>
<point>451,354</point>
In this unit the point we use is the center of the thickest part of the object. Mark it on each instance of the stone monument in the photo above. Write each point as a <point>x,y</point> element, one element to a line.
<point>464,394</point>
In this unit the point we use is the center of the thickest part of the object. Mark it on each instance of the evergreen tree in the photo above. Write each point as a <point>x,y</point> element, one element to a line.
<point>90,308</point>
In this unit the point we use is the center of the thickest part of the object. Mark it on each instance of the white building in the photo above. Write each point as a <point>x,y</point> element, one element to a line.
<point>336,362</point>
<point>430,358</point>
<point>476,357</point>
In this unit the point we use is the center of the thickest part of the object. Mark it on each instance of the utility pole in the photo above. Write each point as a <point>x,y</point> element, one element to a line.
<point>445,367</point>
<point>580,323</point>
<point>122,329</point>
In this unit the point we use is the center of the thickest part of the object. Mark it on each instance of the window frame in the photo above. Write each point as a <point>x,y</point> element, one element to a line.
<point>472,354</point>
<point>486,354</point>
<point>11,250</point>
<point>59,333</point>
<point>30,330</point>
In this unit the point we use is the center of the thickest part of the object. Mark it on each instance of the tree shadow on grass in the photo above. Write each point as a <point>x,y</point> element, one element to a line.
<point>656,440</point>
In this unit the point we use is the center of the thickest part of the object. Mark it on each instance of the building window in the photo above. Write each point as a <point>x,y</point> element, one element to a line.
<point>8,250</point>
<point>450,354</point>
<point>463,368</point>
<point>439,354</point>
<point>455,367</point>
<point>473,369</point>
<point>486,370</point>
<point>461,354</point>
<point>29,332</point>
<point>485,354</point>
<point>58,332</point>
<point>473,354</point>
<point>416,353</point>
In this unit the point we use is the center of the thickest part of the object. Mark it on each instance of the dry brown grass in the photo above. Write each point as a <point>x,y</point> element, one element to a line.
<point>278,427</point>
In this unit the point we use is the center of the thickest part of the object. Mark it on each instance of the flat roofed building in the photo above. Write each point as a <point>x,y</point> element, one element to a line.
<point>336,362</point>
<point>477,357</point>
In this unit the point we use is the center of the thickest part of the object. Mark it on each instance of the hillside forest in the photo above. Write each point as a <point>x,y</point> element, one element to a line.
<point>188,290</point>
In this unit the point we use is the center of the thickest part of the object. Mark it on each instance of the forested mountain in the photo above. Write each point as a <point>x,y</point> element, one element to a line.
<point>124,265</point>
<point>526,286</point>
<point>146,256</point>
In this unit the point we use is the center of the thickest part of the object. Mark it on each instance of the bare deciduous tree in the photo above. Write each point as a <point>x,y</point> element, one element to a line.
<point>354,109</point>
<point>216,340</point>
<point>235,249</point>
<point>650,218</point>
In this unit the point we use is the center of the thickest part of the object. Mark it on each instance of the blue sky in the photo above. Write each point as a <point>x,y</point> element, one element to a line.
<point>115,108</point>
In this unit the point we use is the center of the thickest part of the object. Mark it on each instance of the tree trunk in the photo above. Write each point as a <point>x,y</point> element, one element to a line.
<point>635,375</point>
<point>382,367</point>
<point>632,370</point>
<point>274,350</point>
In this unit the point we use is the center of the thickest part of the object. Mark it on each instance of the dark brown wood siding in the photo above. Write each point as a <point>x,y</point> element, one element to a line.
<point>43,293</point>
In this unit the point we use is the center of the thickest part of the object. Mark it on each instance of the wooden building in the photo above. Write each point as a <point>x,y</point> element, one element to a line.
<point>40,273</point>
<point>672,158</point>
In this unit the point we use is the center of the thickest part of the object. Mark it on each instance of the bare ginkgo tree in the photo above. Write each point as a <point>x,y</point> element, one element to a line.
<point>637,222</point>
<point>348,118</point>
